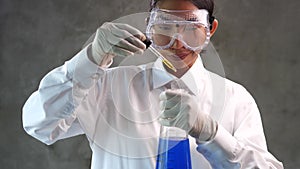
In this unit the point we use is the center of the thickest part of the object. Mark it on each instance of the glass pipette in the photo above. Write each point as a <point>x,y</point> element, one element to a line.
<point>157,54</point>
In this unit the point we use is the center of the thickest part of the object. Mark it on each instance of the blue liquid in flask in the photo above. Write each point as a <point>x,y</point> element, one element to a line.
<point>173,153</point>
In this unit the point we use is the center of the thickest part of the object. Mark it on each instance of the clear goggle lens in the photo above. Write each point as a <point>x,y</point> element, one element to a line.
<point>191,27</point>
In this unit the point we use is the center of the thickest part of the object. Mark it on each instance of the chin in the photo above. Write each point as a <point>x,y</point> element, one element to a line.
<point>190,59</point>
<point>186,62</point>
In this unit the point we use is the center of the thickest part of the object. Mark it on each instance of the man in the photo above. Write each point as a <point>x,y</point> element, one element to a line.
<point>121,109</point>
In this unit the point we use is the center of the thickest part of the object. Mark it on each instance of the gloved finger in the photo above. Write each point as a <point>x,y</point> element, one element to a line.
<point>137,42</point>
<point>164,122</point>
<point>120,51</point>
<point>132,30</point>
<point>170,113</point>
<point>115,40</point>
<point>175,94</point>
<point>131,39</point>
<point>167,104</point>
<point>182,121</point>
<point>162,105</point>
<point>129,46</point>
<point>131,34</point>
<point>166,96</point>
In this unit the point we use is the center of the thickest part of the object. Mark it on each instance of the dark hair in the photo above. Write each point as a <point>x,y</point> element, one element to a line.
<point>201,4</point>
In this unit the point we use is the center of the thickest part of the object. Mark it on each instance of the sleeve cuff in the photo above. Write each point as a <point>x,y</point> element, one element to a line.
<point>223,143</point>
<point>226,142</point>
<point>82,70</point>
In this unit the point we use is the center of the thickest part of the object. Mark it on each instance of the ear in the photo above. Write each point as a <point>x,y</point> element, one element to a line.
<point>214,27</point>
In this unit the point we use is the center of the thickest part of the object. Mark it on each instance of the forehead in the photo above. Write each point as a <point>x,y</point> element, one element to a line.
<point>176,5</point>
<point>180,16</point>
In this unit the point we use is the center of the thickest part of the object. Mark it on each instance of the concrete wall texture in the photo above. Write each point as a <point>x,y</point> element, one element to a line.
<point>258,42</point>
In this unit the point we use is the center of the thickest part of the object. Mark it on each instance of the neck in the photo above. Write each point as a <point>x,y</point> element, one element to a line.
<point>179,73</point>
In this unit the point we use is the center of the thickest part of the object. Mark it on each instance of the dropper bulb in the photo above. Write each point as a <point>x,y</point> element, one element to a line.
<point>147,42</point>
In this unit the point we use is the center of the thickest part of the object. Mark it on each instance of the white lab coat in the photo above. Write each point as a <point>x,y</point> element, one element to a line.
<point>117,109</point>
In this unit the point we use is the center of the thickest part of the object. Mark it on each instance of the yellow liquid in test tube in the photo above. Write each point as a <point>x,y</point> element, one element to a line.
<point>164,60</point>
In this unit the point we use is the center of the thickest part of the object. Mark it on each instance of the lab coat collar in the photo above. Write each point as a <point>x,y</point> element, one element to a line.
<point>194,78</point>
<point>160,76</point>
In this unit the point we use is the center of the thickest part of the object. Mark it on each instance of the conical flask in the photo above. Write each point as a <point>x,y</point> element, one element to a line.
<point>173,149</point>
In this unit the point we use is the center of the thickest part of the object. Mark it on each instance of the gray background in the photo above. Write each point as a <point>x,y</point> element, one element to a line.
<point>257,40</point>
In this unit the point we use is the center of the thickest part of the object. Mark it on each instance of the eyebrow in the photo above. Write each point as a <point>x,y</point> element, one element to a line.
<point>193,19</point>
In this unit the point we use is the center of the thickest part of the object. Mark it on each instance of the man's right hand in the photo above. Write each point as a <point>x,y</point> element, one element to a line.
<point>114,39</point>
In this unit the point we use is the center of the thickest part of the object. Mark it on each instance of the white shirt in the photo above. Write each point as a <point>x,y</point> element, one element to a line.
<point>117,108</point>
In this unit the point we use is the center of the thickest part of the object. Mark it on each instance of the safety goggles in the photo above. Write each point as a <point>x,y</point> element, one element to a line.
<point>190,27</point>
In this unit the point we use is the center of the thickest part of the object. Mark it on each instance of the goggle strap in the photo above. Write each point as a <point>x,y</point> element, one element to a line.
<point>211,20</point>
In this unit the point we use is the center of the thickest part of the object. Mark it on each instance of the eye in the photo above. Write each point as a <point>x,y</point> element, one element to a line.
<point>164,27</point>
<point>191,27</point>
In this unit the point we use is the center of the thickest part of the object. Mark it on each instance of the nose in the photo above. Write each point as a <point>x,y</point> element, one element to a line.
<point>177,44</point>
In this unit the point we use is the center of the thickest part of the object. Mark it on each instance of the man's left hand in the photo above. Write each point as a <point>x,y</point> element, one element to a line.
<point>180,109</point>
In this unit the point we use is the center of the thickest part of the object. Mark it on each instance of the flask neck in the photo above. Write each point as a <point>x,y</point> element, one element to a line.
<point>172,132</point>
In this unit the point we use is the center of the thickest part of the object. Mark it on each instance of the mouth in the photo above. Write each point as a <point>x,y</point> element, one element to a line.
<point>182,54</point>
<point>177,55</point>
